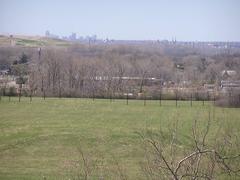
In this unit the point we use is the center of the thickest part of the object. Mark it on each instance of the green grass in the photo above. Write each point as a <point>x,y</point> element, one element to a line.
<point>32,41</point>
<point>42,138</point>
<point>41,42</point>
<point>29,42</point>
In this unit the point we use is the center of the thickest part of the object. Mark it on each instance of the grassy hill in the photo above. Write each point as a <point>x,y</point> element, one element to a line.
<point>31,41</point>
<point>47,138</point>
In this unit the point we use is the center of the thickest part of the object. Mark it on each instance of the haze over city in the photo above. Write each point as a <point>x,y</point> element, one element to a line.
<point>216,20</point>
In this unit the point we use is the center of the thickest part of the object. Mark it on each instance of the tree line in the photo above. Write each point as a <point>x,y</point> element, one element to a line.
<point>106,70</point>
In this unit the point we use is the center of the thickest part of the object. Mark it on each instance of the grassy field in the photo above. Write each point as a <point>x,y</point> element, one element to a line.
<point>42,138</point>
<point>32,41</point>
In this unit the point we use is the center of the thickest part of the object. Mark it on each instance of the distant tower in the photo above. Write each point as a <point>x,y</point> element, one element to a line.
<point>73,37</point>
<point>12,41</point>
<point>47,33</point>
<point>174,40</point>
<point>39,53</point>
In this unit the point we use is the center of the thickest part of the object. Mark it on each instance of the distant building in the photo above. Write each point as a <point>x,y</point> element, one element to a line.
<point>209,87</point>
<point>179,66</point>
<point>148,81</point>
<point>4,72</point>
<point>47,34</point>
<point>73,37</point>
<point>229,72</point>
<point>12,40</point>
<point>229,85</point>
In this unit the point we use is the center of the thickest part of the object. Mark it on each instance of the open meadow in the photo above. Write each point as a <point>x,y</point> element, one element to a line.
<point>57,138</point>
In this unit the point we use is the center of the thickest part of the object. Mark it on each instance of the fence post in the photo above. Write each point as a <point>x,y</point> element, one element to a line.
<point>31,97</point>
<point>176,99</point>
<point>214,99</point>
<point>191,99</point>
<point>160,99</point>
<point>20,93</point>
<point>19,96</point>
<point>111,97</point>
<point>127,98</point>
<point>44,95</point>
<point>144,99</point>
<point>60,94</point>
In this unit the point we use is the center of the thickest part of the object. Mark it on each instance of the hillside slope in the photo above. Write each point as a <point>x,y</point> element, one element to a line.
<point>31,41</point>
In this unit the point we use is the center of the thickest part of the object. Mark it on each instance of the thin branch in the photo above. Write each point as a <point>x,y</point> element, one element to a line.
<point>203,176</point>
<point>163,158</point>
<point>190,156</point>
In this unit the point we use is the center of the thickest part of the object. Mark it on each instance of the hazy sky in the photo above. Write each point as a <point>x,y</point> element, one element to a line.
<point>124,19</point>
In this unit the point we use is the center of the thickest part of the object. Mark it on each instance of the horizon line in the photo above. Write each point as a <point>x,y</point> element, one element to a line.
<point>112,39</point>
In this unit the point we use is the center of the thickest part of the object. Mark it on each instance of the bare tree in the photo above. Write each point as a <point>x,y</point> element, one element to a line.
<point>202,160</point>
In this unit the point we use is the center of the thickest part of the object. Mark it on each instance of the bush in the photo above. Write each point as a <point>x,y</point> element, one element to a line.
<point>230,99</point>
<point>11,91</point>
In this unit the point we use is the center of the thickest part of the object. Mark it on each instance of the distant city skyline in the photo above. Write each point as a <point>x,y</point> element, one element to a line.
<point>185,20</point>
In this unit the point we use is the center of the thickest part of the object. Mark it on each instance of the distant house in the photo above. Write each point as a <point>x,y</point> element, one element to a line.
<point>12,84</point>
<point>229,85</point>
<point>147,80</point>
<point>179,66</point>
<point>209,87</point>
<point>226,74</point>
<point>4,72</point>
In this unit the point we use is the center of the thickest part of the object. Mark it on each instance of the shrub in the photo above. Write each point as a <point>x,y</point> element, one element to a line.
<point>11,91</point>
<point>230,99</point>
